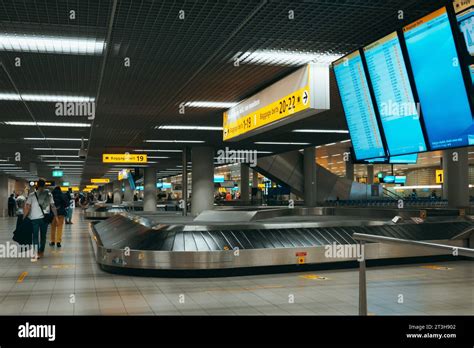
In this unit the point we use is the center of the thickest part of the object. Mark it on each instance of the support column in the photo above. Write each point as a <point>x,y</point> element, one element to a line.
<point>184,182</point>
<point>4,194</point>
<point>310,188</point>
<point>370,174</point>
<point>110,190</point>
<point>149,189</point>
<point>128,193</point>
<point>456,177</point>
<point>244,183</point>
<point>202,197</point>
<point>117,185</point>
<point>254,179</point>
<point>350,169</point>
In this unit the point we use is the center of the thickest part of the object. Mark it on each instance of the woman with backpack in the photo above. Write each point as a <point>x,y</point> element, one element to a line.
<point>38,209</point>
<point>61,203</point>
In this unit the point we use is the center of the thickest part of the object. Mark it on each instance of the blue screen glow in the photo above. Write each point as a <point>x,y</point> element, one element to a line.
<point>405,159</point>
<point>466,24</point>
<point>400,179</point>
<point>439,81</point>
<point>358,107</point>
<point>394,96</point>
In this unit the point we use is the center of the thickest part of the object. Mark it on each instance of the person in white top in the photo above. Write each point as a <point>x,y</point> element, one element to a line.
<point>38,205</point>
<point>70,209</point>
<point>20,203</point>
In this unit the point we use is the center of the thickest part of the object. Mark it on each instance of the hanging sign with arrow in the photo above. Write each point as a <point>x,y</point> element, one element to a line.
<point>301,94</point>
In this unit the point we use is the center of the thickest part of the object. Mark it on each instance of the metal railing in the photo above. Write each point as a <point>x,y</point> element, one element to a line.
<point>363,238</point>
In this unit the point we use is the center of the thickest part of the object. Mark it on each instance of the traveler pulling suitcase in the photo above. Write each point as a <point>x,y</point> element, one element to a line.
<point>23,234</point>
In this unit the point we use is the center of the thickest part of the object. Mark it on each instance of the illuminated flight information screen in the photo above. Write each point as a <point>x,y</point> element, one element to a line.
<point>440,85</point>
<point>394,96</point>
<point>466,24</point>
<point>358,107</point>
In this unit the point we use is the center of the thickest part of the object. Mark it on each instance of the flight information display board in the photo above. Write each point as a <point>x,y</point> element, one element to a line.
<point>394,96</point>
<point>466,24</point>
<point>439,81</point>
<point>405,159</point>
<point>402,159</point>
<point>358,107</point>
<point>471,69</point>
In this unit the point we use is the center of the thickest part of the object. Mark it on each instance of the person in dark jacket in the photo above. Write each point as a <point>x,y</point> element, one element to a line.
<point>62,203</point>
<point>11,205</point>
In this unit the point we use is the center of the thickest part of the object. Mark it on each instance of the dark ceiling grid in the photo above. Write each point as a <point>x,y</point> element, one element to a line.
<point>161,45</point>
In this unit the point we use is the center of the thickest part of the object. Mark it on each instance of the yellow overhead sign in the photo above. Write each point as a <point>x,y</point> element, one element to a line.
<point>100,181</point>
<point>124,158</point>
<point>92,187</point>
<point>440,176</point>
<point>461,5</point>
<point>284,107</point>
<point>301,94</point>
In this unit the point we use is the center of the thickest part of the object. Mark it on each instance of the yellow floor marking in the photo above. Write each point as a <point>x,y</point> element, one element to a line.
<point>22,277</point>
<point>314,276</point>
<point>437,268</point>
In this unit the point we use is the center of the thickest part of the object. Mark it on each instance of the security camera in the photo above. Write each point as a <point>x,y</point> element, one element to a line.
<point>82,154</point>
<point>82,151</point>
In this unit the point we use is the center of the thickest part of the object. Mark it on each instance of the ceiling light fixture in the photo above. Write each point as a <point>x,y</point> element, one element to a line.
<point>209,104</point>
<point>281,57</point>
<point>51,98</point>
<point>19,42</point>
<point>58,139</point>
<point>143,150</point>
<point>278,143</point>
<point>328,131</point>
<point>59,161</point>
<point>46,124</point>
<point>175,141</point>
<point>202,128</point>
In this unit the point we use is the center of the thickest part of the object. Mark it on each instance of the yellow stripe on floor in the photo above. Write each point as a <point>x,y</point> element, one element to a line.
<point>437,268</point>
<point>22,277</point>
<point>314,276</point>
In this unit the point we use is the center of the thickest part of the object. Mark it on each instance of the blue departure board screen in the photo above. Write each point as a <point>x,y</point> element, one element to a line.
<point>466,24</point>
<point>394,96</point>
<point>401,159</point>
<point>358,107</point>
<point>471,68</point>
<point>439,81</point>
<point>404,159</point>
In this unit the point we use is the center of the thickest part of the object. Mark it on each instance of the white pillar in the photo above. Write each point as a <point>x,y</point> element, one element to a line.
<point>244,183</point>
<point>310,174</point>
<point>456,177</point>
<point>202,196</point>
<point>117,185</point>
<point>370,174</point>
<point>149,189</point>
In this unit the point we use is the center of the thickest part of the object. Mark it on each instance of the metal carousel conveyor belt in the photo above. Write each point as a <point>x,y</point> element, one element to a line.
<point>105,210</point>
<point>130,241</point>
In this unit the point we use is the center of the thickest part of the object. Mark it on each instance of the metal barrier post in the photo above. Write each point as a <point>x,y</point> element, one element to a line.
<point>362,282</point>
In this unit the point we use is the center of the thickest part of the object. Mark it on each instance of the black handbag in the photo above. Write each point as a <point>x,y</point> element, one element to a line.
<point>48,218</point>
<point>23,234</point>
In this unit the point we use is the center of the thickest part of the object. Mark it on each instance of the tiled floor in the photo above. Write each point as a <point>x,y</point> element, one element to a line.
<point>68,282</point>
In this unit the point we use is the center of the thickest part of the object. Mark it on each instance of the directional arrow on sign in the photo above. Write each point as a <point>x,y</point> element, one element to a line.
<point>305,97</point>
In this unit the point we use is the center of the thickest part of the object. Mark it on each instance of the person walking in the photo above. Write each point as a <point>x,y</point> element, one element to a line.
<point>70,209</point>
<point>20,204</point>
<point>38,207</point>
<point>61,203</point>
<point>11,205</point>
